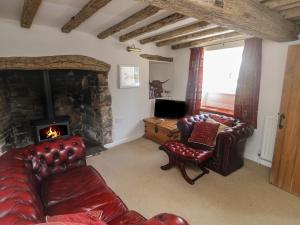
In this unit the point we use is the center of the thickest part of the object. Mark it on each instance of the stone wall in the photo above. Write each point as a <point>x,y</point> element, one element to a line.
<point>5,117</point>
<point>82,95</point>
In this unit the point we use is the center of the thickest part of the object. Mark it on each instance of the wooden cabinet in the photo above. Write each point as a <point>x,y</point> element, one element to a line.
<point>286,162</point>
<point>161,130</point>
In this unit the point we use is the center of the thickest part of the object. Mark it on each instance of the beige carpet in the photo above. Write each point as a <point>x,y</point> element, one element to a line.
<point>133,171</point>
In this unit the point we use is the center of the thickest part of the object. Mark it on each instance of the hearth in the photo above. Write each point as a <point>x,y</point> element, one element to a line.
<point>51,127</point>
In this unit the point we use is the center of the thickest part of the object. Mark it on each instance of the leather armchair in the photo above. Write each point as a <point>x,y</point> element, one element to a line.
<point>230,145</point>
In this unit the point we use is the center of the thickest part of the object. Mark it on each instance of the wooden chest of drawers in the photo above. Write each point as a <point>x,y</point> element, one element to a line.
<point>161,130</point>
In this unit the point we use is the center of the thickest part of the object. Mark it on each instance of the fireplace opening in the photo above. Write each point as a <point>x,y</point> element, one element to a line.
<point>51,127</point>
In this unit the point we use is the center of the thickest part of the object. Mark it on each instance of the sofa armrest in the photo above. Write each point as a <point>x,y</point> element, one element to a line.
<point>57,156</point>
<point>166,219</point>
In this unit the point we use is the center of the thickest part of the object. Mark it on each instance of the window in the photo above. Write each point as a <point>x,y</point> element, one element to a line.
<point>220,74</point>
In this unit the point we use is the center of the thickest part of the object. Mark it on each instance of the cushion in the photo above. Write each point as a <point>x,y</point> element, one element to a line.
<point>222,128</point>
<point>222,119</point>
<point>52,192</point>
<point>90,218</point>
<point>204,133</point>
<point>185,151</point>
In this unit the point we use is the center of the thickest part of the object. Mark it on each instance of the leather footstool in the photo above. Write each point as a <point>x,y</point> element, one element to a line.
<point>180,155</point>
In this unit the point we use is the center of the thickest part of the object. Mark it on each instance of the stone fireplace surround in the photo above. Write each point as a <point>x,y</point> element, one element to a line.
<point>79,87</point>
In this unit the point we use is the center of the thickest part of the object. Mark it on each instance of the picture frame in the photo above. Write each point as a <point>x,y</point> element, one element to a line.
<point>129,76</point>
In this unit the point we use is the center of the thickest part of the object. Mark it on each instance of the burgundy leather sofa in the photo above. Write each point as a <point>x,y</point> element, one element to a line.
<point>230,145</point>
<point>52,178</point>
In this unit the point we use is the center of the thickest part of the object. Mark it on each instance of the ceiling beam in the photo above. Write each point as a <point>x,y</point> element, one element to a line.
<point>86,12</point>
<point>131,20</point>
<point>177,32</point>
<point>30,8</point>
<point>291,13</point>
<point>278,3</point>
<point>208,40</point>
<point>153,26</point>
<point>213,31</point>
<point>247,16</point>
<point>157,58</point>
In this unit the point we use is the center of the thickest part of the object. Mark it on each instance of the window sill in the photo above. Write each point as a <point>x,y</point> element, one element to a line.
<point>226,112</point>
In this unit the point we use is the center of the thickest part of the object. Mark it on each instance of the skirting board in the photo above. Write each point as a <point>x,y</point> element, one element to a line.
<point>124,140</point>
<point>256,159</point>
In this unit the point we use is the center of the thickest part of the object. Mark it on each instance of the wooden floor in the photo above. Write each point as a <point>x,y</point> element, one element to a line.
<point>133,171</point>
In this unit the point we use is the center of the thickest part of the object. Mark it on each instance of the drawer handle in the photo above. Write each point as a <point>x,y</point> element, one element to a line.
<point>281,118</point>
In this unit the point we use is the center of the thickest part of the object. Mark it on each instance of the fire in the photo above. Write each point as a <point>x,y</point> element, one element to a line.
<point>52,133</point>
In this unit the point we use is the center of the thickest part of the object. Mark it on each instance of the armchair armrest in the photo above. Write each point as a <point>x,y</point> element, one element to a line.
<point>166,219</point>
<point>229,150</point>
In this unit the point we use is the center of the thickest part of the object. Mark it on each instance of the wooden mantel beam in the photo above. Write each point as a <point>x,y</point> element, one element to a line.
<point>153,26</point>
<point>86,12</point>
<point>131,20</point>
<point>30,8</point>
<point>246,16</point>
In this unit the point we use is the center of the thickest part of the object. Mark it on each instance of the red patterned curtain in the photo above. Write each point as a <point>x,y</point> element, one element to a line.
<point>247,93</point>
<point>194,85</point>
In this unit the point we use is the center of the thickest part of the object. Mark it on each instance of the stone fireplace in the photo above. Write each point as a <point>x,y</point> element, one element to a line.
<point>80,93</point>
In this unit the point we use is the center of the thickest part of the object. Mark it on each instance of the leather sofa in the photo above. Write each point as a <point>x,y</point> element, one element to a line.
<point>230,145</point>
<point>52,178</point>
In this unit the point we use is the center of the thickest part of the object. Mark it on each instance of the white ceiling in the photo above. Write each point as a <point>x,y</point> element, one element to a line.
<point>55,13</point>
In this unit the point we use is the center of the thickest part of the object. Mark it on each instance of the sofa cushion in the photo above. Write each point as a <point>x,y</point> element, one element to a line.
<point>204,133</point>
<point>53,192</point>
<point>129,218</point>
<point>80,190</point>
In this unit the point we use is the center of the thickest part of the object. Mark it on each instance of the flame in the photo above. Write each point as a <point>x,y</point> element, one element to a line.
<point>52,133</point>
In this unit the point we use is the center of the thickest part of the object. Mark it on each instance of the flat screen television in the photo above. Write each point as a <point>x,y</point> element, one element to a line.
<point>170,109</point>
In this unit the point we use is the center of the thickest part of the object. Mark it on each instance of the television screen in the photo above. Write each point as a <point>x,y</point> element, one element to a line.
<point>170,109</point>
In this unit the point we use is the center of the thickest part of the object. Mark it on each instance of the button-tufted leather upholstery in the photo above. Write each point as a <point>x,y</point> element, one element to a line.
<point>52,178</point>
<point>185,151</point>
<point>58,156</point>
<point>229,150</point>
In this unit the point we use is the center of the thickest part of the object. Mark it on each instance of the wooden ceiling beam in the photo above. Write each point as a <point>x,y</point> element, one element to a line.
<point>30,8</point>
<point>290,6</point>
<point>291,13</point>
<point>131,20</point>
<point>157,58</point>
<point>208,40</point>
<point>278,3</point>
<point>86,12</point>
<point>197,35</point>
<point>153,26</point>
<point>177,32</point>
<point>247,16</point>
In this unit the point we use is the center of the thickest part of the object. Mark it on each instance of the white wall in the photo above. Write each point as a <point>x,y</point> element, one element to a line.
<point>273,67</point>
<point>129,106</point>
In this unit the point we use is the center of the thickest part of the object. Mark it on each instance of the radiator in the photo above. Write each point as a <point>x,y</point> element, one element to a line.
<point>269,137</point>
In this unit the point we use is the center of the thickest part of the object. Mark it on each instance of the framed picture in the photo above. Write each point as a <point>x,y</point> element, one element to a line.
<point>129,76</point>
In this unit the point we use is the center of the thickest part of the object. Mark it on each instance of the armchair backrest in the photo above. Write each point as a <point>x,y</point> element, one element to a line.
<point>186,124</point>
